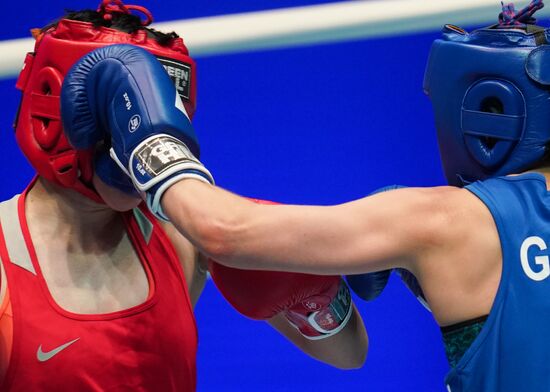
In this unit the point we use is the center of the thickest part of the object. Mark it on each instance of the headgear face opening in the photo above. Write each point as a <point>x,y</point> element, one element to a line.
<point>38,126</point>
<point>490,92</point>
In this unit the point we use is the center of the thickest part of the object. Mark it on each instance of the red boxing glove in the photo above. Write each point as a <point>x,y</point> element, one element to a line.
<point>318,306</point>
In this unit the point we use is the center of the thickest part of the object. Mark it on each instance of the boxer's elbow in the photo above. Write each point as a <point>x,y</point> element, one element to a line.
<point>347,350</point>
<point>356,360</point>
<point>344,358</point>
<point>352,363</point>
<point>353,344</point>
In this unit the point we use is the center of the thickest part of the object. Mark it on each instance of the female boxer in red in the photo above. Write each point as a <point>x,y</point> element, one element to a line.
<point>94,299</point>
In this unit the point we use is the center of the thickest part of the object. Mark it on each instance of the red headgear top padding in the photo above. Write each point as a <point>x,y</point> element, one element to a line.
<point>38,127</point>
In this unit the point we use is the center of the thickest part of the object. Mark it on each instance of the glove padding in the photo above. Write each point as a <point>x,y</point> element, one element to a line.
<point>370,285</point>
<point>111,174</point>
<point>318,306</point>
<point>123,94</point>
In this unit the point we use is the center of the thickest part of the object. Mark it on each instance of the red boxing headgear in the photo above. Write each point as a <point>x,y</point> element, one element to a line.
<point>38,126</point>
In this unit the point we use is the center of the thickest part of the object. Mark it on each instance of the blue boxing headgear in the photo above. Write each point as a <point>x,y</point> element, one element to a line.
<point>490,92</point>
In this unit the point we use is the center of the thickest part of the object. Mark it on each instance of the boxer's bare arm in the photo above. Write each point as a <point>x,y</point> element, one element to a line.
<point>445,236</point>
<point>377,232</point>
<point>345,350</point>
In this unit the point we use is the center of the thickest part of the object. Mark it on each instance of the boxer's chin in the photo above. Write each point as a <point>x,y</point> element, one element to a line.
<point>115,199</point>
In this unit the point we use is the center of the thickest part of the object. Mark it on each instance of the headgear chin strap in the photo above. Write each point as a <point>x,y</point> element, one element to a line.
<point>490,92</point>
<point>38,127</point>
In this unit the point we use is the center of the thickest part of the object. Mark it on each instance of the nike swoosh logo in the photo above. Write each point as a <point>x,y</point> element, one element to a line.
<point>44,356</point>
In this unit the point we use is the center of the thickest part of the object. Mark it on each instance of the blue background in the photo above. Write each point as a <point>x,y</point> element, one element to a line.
<point>318,124</point>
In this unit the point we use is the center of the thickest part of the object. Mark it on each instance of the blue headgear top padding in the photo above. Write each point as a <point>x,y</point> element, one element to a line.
<point>490,92</point>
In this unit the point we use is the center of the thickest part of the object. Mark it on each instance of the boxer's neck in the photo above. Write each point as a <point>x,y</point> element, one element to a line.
<point>67,215</point>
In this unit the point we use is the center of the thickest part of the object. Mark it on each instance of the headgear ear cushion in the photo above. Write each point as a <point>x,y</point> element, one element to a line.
<point>46,125</point>
<point>38,127</point>
<point>493,118</point>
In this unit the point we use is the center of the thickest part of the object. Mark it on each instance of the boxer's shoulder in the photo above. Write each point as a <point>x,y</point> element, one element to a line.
<point>193,263</point>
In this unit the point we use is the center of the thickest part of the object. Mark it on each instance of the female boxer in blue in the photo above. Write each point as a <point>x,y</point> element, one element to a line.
<point>478,247</point>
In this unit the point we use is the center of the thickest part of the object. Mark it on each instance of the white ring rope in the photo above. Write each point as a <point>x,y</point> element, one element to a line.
<point>304,25</point>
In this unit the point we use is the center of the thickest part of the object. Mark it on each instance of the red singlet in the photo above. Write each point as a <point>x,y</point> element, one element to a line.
<point>149,347</point>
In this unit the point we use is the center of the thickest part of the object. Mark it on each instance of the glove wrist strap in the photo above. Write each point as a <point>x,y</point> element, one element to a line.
<point>327,321</point>
<point>157,163</point>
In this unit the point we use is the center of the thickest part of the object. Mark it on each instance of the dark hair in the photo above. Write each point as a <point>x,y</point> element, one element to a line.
<point>127,23</point>
<point>545,161</point>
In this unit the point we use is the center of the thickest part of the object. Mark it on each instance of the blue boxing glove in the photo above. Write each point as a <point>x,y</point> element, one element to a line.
<point>121,95</point>
<point>111,174</point>
<point>370,285</point>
